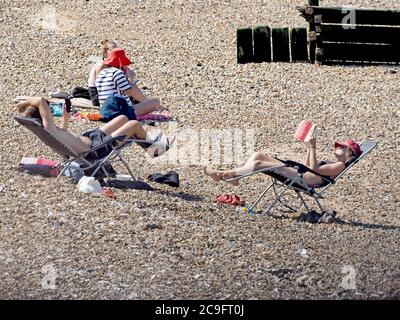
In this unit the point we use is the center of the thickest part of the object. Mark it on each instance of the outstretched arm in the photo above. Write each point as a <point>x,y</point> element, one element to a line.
<point>307,161</point>
<point>312,146</point>
<point>43,108</point>
<point>331,169</point>
<point>65,118</point>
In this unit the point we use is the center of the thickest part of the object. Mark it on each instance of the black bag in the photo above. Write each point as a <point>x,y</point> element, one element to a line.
<point>98,137</point>
<point>79,92</point>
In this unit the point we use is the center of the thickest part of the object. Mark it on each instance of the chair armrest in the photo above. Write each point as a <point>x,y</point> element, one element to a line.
<point>113,139</point>
<point>301,168</point>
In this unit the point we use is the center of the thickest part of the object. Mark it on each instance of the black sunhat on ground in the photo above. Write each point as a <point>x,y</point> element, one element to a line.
<point>171,178</point>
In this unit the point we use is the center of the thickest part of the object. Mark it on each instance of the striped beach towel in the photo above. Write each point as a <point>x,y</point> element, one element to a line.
<point>41,166</point>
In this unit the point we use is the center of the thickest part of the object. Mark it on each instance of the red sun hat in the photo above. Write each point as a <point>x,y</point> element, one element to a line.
<point>354,146</point>
<point>117,58</point>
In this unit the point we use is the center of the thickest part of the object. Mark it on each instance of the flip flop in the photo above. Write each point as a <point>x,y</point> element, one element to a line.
<point>228,199</point>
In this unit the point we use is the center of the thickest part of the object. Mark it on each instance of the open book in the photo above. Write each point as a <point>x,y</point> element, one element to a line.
<point>305,131</point>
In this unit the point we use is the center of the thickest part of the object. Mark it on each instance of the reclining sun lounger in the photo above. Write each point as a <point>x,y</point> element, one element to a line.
<point>89,161</point>
<point>282,183</point>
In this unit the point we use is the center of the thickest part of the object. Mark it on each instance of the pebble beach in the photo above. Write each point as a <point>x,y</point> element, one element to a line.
<point>59,243</point>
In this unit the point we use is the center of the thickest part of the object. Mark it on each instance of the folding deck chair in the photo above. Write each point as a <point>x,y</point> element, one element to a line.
<point>282,183</point>
<point>88,160</point>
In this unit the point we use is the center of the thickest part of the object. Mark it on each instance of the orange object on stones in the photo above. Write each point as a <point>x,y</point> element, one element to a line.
<point>109,193</point>
<point>94,116</point>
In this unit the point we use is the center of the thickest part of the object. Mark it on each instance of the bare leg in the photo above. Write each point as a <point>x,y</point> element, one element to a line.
<point>256,162</point>
<point>260,156</point>
<point>216,175</point>
<point>114,124</point>
<point>132,129</point>
<point>147,106</point>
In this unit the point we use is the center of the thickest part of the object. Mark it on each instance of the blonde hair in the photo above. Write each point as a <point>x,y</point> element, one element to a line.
<point>103,66</point>
<point>106,45</point>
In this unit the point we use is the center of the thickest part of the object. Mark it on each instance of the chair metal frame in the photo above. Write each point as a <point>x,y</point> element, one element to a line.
<point>297,183</point>
<point>70,155</point>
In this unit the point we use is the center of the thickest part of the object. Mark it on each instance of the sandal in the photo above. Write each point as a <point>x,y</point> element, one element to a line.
<point>160,147</point>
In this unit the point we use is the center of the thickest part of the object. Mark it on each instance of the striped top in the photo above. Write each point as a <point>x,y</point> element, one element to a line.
<point>110,81</point>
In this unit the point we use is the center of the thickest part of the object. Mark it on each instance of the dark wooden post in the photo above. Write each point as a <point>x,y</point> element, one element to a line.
<point>280,45</point>
<point>244,38</point>
<point>262,44</point>
<point>312,36</point>
<point>298,41</point>
<point>319,51</point>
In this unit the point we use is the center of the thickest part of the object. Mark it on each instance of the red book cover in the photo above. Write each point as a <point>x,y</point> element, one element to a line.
<point>305,131</point>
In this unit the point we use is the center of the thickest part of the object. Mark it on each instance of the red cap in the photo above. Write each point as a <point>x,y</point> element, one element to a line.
<point>117,58</point>
<point>354,146</point>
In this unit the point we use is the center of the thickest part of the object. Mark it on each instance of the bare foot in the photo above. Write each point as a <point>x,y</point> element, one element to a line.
<point>228,176</point>
<point>214,174</point>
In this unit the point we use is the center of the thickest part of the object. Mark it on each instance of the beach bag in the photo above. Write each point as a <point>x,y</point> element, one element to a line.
<point>79,92</point>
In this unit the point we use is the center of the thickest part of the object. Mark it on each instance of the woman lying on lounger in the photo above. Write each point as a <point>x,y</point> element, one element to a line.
<point>344,151</point>
<point>39,108</point>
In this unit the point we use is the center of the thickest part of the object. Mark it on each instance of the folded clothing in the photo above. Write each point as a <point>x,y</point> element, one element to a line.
<point>92,116</point>
<point>154,117</point>
<point>228,199</point>
<point>171,178</point>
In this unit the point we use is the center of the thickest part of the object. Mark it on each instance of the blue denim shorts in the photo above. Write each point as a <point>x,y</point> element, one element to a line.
<point>114,106</point>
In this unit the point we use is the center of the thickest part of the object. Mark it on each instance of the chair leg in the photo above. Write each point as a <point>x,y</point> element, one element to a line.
<point>282,203</point>
<point>319,204</point>
<point>267,211</point>
<point>126,166</point>
<point>303,201</point>
<point>65,166</point>
<point>100,165</point>
<point>261,196</point>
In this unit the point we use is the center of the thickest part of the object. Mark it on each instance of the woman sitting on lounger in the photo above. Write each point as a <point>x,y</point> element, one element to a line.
<point>39,108</point>
<point>344,152</point>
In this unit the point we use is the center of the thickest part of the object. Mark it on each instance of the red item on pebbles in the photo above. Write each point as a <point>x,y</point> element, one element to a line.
<point>228,199</point>
<point>109,193</point>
